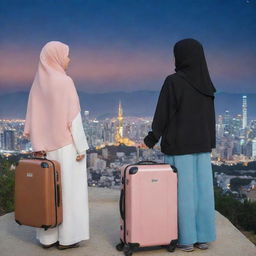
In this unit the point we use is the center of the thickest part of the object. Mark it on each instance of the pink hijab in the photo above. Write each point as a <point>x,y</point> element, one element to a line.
<point>53,102</point>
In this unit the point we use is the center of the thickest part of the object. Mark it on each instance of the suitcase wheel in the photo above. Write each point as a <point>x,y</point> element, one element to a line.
<point>45,227</point>
<point>128,253</point>
<point>128,250</point>
<point>171,247</point>
<point>120,246</point>
<point>18,222</point>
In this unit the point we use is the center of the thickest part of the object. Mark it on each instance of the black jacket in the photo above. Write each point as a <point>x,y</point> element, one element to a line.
<point>184,118</point>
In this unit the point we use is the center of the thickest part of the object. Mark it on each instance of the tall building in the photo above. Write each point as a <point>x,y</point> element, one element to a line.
<point>220,126</point>
<point>227,118</point>
<point>119,138</point>
<point>86,115</point>
<point>9,140</point>
<point>1,140</point>
<point>244,111</point>
<point>227,122</point>
<point>120,119</point>
<point>254,148</point>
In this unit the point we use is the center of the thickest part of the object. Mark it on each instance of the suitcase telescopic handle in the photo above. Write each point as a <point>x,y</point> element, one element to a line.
<point>121,204</point>
<point>147,162</point>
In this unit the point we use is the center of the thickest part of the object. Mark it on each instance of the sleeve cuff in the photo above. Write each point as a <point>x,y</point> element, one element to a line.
<point>81,153</point>
<point>150,140</point>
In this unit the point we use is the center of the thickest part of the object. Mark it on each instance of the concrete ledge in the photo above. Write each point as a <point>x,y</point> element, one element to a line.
<point>18,240</point>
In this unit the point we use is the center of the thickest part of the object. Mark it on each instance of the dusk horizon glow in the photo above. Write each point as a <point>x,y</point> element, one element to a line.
<point>121,46</point>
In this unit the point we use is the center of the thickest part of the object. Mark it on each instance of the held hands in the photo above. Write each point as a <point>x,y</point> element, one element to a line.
<point>80,157</point>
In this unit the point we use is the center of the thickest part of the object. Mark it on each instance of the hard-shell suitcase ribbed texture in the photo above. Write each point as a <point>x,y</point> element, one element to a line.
<point>38,201</point>
<point>148,206</point>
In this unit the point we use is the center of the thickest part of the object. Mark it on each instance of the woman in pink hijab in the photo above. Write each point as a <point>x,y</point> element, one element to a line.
<point>54,126</point>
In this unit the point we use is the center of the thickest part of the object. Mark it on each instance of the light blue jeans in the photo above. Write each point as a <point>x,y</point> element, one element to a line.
<point>196,210</point>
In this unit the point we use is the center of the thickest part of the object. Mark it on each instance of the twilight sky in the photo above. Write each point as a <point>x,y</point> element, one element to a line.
<point>127,45</point>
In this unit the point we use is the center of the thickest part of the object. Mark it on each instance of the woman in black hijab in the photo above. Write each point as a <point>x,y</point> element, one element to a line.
<point>185,120</point>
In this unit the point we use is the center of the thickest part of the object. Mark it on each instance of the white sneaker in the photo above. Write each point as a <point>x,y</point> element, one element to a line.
<point>186,247</point>
<point>202,246</point>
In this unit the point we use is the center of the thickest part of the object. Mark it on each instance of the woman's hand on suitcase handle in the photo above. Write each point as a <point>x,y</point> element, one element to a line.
<point>80,157</point>
<point>39,154</point>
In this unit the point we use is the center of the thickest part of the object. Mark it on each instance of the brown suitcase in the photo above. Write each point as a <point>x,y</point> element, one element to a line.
<point>38,200</point>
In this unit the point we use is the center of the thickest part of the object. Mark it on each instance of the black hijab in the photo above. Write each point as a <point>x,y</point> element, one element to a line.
<point>191,65</point>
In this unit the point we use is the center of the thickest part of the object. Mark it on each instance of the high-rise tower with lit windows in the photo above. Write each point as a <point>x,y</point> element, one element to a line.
<point>244,111</point>
<point>120,119</point>
<point>119,133</point>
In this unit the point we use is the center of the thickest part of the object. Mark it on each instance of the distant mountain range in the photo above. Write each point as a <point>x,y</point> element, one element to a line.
<point>136,103</point>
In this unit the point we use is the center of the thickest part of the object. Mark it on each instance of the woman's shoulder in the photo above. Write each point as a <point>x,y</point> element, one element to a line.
<point>62,80</point>
<point>69,80</point>
<point>171,81</point>
<point>176,82</point>
<point>172,78</point>
<point>68,83</point>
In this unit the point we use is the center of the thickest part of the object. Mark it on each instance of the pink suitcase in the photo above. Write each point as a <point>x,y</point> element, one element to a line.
<point>148,207</point>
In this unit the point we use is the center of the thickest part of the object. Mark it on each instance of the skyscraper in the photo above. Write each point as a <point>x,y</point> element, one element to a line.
<point>1,140</point>
<point>9,140</point>
<point>254,148</point>
<point>86,115</point>
<point>120,119</point>
<point>227,122</point>
<point>119,136</point>
<point>244,110</point>
<point>227,118</point>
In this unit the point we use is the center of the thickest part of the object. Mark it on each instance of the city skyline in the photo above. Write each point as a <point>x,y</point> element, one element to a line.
<point>117,46</point>
<point>235,134</point>
<point>101,105</point>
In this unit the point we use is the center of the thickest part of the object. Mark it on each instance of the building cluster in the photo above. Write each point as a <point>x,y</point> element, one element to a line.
<point>117,141</point>
<point>113,131</point>
<point>104,165</point>
<point>11,138</point>
<point>236,136</point>
<point>110,131</point>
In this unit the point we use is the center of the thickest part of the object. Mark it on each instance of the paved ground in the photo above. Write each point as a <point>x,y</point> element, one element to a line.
<point>18,240</point>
